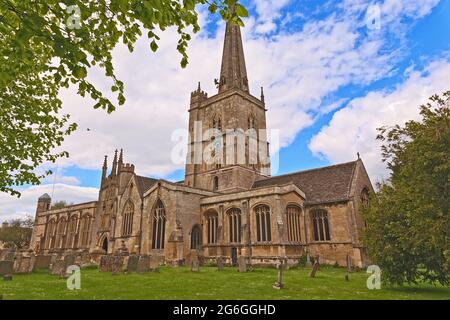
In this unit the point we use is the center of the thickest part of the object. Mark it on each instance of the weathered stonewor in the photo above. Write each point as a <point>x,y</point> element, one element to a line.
<point>8,255</point>
<point>220,264</point>
<point>6,267</point>
<point>143,264</point>
<point>132,264</point>
<point>116,264</point>
<point>43,262</point>
<point>154,263</point>
<point>25,265</point>
<point>58,268</point>
<point>105,264</point>
<point>242,262</point>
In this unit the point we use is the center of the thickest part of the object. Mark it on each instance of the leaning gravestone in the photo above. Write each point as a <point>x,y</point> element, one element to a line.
<point>220,264</point>
<point>143,264</point>
<point>132,264</point>
<point>6,268</point>
<point>154,263</point>
<point>43,262</point>
<point>116,264</point>
<point>316,267</point>
<point>242,264</point>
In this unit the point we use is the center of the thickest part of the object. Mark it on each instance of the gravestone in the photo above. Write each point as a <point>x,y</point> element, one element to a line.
<point>195,264</point>
<point>116,264</point>
<point>143,264</point>
<point>280,266</point>
<point>58,268</point>
<point>25,265</point>
<point>242,264</point>
<point>43,262</point>
<point>132,264</point>
<point>69,260</point>
<point>154,263</point>
<point>316,267</point>
<point>105,264</point>
<point>7,277</point>
<point>220,264</point>
<point>6,268</point>
<point>8,255</point>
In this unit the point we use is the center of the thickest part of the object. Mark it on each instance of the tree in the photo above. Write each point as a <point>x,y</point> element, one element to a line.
<point>46,45</point>
<point>408,223</point>
<point>17,234</point>
<point>60,205</point>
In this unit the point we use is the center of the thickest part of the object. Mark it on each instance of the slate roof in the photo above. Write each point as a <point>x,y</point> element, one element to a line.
<point>322,185</point>
<point>145,183</point>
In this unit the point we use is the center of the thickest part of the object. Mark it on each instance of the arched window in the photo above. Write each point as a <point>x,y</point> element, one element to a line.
<point>212,224</point>
<point>71,240</point>
<point>293,220</point>
<point>159,226</point>
<point>61,233</point>
<point>365,198</point>
<point>217,123</point>
<point>127,219</point>
<point>196,237</point>
<point>51,232</point>
<point>234,225</point>
<point>216,184</point>
<point>251,122</point>
<point>263,226</point>
<point>321,227</point>
<point>85,230</point>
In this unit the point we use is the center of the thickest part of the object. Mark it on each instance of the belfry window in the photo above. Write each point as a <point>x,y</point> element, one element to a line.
<point>263,226</point>
<point>293,214</point>
<point>127,219</point>
<point>321,228</point>
<point>234,225</point>
<point>159,226</point>
<point>216,184</point>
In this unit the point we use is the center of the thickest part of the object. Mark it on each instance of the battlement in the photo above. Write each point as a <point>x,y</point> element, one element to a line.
<point>127,168</point>
<point>198,95</point>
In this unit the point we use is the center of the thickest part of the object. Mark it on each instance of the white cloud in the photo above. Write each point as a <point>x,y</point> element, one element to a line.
<point>268,11</point>
<point>11,207</point>
<point>353,129</point>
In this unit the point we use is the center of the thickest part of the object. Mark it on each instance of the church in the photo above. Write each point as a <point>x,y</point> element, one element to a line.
<point>223,209</point>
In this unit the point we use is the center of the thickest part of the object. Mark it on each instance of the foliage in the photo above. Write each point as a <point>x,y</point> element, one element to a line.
<point>60,205</point>
<point>408,224</point>
<point>17,234</point>
<point>46,45</point>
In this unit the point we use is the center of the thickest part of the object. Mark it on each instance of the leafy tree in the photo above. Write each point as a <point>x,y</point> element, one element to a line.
<point>60,205</point>
<point>46,45</point>
<point>408,223</point>
<point>17,234</point>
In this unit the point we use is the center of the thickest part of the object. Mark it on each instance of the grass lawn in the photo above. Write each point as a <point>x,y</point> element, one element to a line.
<point>180,283</point>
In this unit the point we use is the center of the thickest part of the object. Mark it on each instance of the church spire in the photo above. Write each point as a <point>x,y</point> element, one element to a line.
<point>233,74</point>
<point>105,168</point>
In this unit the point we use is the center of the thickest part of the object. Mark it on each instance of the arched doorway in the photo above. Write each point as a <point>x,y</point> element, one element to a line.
<point>105,245</point>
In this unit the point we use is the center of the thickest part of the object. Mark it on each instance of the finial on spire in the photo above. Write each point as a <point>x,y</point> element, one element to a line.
<point>105,167</point>
<point>359,156</point>
<point>262,95</point>
<point>199,87</point>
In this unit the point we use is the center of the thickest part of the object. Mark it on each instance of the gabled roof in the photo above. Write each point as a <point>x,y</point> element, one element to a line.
<point>322,185</point>
<point>144,183</point>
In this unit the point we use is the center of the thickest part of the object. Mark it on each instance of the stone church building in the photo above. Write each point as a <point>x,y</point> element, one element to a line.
<point>220,209</point>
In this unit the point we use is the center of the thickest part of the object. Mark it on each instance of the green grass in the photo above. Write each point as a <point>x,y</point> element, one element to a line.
<point>210,284</point>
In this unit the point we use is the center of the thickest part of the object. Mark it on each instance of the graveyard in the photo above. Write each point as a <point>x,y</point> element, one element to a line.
<point>210,283</point>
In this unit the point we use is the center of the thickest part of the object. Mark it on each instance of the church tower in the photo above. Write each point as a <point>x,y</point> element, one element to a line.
<point>228,148</point>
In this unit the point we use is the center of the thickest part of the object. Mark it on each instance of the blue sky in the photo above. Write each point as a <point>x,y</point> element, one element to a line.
<point>329,80</point>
